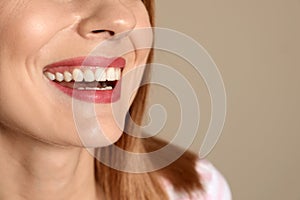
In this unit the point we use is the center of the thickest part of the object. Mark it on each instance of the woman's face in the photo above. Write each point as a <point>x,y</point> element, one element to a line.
<point>43,39</point>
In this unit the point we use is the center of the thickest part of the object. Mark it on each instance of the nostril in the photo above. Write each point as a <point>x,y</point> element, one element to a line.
<point>111,33</point>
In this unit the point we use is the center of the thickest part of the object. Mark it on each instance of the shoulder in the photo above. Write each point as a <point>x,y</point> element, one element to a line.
<point>189,175</point>
<point>214,184</point>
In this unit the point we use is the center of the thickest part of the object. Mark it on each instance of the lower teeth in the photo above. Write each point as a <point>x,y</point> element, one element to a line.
<point>95,88</point>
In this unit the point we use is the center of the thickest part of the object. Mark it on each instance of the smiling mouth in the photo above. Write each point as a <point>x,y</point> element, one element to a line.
<point>86,78</point>
<point>91,79</point>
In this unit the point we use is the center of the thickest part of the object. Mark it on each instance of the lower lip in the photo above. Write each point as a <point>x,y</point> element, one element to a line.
<point>92,96</point>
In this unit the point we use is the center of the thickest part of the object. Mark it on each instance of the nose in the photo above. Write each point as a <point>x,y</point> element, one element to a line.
<point>104,19</point>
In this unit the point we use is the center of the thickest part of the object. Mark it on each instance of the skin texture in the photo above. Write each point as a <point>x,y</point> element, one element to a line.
<point>41,153</point>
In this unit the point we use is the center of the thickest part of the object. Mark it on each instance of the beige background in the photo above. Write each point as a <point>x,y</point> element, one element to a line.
<point>256,45</point>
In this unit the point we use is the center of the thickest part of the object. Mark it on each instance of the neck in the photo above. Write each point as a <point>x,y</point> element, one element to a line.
<point>31,169</point>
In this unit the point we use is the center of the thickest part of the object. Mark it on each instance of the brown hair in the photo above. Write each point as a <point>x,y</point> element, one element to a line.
<point>145,186</point>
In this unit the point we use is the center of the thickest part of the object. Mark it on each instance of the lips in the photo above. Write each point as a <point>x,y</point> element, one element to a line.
<point>91,79</point>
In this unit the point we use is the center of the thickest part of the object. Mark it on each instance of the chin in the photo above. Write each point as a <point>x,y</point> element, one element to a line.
<point>95,134</point>
<point>100,142</point>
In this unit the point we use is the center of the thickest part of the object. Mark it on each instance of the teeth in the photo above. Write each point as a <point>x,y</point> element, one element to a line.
<point>68,76</point>
<point>110,73</point>
<point>50,76</point>
<point>89,75</point>
<point>106,88</point>
<point>91,88</point>
<point>59,77</point>
<point>77,75</point>
<point>118,73</point>
<point>95,88</point>
<point>99,74</point>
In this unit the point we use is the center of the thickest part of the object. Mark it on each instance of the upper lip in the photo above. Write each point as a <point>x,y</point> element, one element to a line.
<point>88,61</point>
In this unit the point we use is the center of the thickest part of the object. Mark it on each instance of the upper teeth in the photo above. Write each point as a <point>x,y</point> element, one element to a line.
<point>68,76</point>
<point>88,75</point>
<point>59,77</point>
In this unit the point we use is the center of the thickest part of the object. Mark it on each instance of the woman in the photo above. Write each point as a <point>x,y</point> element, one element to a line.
<point>43,43</point>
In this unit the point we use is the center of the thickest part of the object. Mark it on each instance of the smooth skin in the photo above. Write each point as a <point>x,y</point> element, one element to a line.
<point>42,156</point>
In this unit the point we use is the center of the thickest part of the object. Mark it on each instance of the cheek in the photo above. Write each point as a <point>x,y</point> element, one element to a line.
<point>27,110</point>
<point>30,26</point>
<point>142,16</point>
<point>26,29</point>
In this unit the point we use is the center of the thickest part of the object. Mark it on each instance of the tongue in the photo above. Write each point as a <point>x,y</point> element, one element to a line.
<point>77,85</point>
